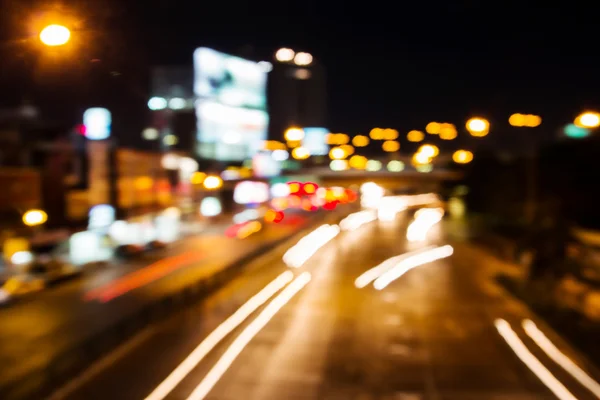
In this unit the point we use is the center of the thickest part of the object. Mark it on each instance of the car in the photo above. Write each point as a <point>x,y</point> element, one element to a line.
<point>51,269</point>
<point>129,250</point>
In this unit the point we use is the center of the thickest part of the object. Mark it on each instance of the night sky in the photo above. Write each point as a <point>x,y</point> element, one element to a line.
<point>390,64</point>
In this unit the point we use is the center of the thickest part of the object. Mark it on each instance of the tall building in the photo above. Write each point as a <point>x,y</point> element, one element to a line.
<point>297,97</point>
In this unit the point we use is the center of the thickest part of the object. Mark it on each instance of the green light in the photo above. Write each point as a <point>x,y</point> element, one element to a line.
<point>575,132</point>
<point>373,165</point>
<point>395,166</point>
<point>425,168</point>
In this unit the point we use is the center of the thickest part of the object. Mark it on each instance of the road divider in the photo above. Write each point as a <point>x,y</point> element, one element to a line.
<point>375,272</point>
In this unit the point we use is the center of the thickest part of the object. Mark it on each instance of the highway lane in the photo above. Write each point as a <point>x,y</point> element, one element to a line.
<point>36,328</point>
<point>437,332</point>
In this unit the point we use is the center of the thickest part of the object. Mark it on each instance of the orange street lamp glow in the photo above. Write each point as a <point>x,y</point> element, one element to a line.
<point>55,35</point>
<point>588,120</point>
<point>478,127</point>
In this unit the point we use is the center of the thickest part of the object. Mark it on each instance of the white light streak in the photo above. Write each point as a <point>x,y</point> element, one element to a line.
<point>306,247</point>
<point>219,334</point>
<point>511,338</point>
<point>238,345</point>
<point>559,357</point>
<point>412,262</point>
<point>354,221</point>
<point>375,272</point>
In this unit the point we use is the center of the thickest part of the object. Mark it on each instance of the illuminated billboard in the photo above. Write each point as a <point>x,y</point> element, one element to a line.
<point>315,140</point>
<point>231,105</point>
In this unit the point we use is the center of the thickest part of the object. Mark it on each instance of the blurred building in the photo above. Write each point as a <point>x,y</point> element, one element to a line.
<point>173,119</point>
<point>297,96</point>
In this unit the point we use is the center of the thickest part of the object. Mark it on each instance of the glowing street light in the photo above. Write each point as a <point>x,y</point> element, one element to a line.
<point>390,146</point>
<point>478,127</point>
<point>415,136</point>
<point>588,120</point>
<point>55,35</point>
<point>294,135</point>
<point>35,217</point>
<point>300,153</point>
<point>448,132</point>
<point>462,156</point>
<point>337,153</point>
<point>433,128</point>
<point>212,182</point>
<point>303,59</point>
<point>360,141</point>
<point>358,162</point>
<point>421,159</point>
<point>527,120</point>
<point>429,150</point>
<point>284,55</point>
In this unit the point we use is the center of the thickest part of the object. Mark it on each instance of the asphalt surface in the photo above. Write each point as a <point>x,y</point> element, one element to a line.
<point>428,335</point>
<point>36,328</point>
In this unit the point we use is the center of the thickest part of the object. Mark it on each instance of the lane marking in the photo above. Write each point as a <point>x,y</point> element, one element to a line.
<point>519,348</point>
<point>412,262</point>
<point>559,357</point>
<point>375,272</point>
<point>238,345</point>
<point>306,247</point>
<point>217,335</point>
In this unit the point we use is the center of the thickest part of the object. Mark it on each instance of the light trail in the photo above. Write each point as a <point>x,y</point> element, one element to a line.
<point>511,338</point>
<point>406,265</point>
<point>375,272</point>
<point>306,247</point>
<point>559,357</point>
<point>226,327</point>
<point>238,345</point>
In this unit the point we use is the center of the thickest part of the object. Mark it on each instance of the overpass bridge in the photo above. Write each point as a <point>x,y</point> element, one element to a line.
<point>394,181</point>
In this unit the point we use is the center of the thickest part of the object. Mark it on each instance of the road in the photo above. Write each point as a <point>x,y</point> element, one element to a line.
<point>434,333</point>
<point>36,328</point>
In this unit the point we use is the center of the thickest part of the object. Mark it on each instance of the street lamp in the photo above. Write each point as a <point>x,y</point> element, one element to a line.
<point>462,156</point>
<point>284,55</point>
<point>303,59</point>
<point>55,35</point>
<point>294,135</point>
<point>337,153</point>
<point>35,217</point>
<point>588,120</point>
<point>527,120</point>
<point>478,127</point>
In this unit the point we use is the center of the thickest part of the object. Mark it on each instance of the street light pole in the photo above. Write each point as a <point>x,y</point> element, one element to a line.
<point>532,172</point>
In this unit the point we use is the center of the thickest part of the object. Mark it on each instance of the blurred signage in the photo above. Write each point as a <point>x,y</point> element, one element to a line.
<point>265,166</point>
<point>97,122</point>
<point>231,109</point>
<point>249,192</point>
<point>315,140</point>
